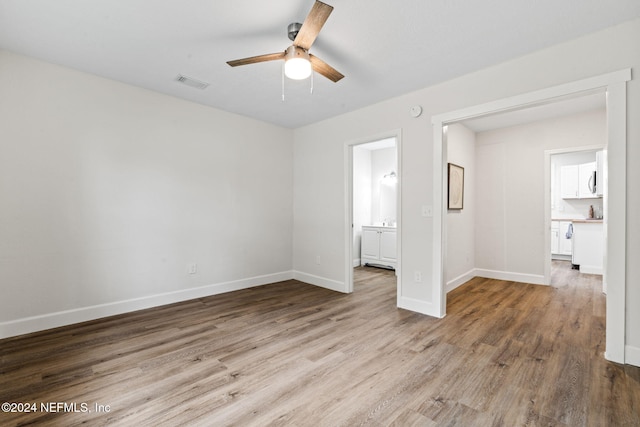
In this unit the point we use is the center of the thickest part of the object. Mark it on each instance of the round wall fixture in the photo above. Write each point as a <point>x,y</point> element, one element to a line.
<point>415,111</point>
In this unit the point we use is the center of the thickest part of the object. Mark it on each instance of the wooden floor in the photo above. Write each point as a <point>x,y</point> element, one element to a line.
<point>507,354</point>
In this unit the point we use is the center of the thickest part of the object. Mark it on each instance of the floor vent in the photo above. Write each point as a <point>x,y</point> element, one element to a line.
<point>192,82</point>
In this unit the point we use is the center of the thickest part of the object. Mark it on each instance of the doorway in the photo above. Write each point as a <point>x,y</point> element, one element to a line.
<point>575,198</point>
<point>499,234</point>
<point>614,85</point>
<point>373,200</point>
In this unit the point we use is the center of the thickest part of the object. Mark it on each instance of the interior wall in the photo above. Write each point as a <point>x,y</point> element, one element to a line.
<point>361,197</point>
<point>461,240</point>
<point>383,195</point>
<point>320,224</point>
<point>109,192</point>
<point>510,232</point>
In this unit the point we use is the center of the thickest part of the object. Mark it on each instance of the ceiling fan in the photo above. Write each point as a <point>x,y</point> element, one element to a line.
<point>299,63</point>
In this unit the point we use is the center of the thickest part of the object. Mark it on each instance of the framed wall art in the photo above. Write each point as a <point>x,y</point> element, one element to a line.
<point>455,194</point>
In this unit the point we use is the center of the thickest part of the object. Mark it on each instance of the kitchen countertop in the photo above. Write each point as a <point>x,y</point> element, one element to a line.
<point>579,220</point>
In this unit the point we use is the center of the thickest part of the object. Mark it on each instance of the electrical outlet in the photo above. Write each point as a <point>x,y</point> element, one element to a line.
<point>417,277</point>
<point>192,268</point>
<point>427,211</point>
<point>318,259</point>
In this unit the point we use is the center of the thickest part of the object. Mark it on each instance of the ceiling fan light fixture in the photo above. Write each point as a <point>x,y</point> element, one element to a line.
<point>297,65</point>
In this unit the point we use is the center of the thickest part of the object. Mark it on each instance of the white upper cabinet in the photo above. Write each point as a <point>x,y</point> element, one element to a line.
<point>569,182</point>
<point>579,181</point>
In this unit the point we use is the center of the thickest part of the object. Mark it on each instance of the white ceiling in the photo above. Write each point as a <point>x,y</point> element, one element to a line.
<point>384,48</point>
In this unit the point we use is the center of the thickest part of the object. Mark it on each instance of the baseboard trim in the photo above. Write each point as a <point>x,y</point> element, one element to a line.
<point>590,269</point>
<point>535,279</point>
<point>323,282</point>
<point>632,355</point>
<point>68,317</point>
<point>419,306</point>
<point>460,280</point>
<point>356,263</point>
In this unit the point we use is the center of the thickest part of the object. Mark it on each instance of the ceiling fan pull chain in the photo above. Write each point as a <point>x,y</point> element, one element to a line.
<point>311,82</point>
<point>283,82</point>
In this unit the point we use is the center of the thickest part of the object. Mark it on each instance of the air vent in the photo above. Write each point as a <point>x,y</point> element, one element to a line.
<point>192,82</point>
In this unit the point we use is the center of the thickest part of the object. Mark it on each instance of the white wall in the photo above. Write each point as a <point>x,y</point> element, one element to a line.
<point>108,191</point>
<point>383,195</point>
<point>461,242</point>
<point>319,208</point>
<point>510,232</point>
<point>361,197</point>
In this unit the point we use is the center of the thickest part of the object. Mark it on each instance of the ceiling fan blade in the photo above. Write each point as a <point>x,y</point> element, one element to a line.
<point>312,25</point>
<point>321,67</point>
<point>255,59</point>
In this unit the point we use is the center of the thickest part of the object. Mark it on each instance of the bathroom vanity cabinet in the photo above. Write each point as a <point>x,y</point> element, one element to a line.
<point>379,246</point>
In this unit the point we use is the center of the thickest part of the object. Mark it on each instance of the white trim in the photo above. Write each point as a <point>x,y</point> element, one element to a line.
<point>615,84</point>
<point>460,280</point>
<point>632,355</point>
<point>412,304</point>
<point>322,282</point>
<point>539,97</point>
<point>62,318</point>
<point>356,262</point>
<point>536,279</point>
<point>439,215</point>
<point>348,214</point>
<point>591,269</point>
<point>615,222</point>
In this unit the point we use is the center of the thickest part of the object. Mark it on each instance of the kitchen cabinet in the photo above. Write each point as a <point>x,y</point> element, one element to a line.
<point>379,246</point>
<point>554,237</point>
<point>588,246</point>
<point>565,246</point>
<point>578,181</point>
<point>569,182</point>
<point>560,245</point>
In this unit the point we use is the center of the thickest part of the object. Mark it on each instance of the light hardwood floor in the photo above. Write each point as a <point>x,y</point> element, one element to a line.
<point>507,354</point>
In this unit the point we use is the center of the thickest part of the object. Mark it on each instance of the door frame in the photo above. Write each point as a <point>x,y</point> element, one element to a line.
<point>614,85</point>
<point>348,224</point>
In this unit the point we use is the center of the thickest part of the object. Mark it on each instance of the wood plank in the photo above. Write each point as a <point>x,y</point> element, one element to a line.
<point>294,354</point>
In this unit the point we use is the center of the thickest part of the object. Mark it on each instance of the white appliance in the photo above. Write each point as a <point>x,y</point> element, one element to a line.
<point>601,158</point>
<point>587,180</point>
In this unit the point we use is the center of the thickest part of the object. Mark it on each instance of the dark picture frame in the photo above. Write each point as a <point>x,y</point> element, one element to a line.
<point>455,190</point>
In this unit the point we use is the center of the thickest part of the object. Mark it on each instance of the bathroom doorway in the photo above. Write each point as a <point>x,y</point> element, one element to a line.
<point>374,207</point>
